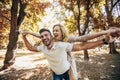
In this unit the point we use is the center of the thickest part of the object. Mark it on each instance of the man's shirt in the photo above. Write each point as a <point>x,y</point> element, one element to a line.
<point>57,56</point>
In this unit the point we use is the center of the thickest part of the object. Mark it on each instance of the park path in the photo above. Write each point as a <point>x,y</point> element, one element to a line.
<point>34,66</point>
<point>26,59</point>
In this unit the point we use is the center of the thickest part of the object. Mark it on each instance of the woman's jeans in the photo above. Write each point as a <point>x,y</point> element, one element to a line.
<point>64,76</point>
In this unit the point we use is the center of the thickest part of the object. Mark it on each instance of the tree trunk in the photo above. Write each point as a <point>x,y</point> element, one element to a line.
<point>13,36</point>
<point>111,46</point>
<point>78,18</point>
<point>112,49</point>
<point>110,24</point>
<point>86,56</point>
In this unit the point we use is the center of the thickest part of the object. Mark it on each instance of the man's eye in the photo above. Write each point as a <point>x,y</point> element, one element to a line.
<point>46,35</point>
<point>41,36</point>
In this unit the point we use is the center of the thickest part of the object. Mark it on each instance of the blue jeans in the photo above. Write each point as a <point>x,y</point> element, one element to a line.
<point>64,76</point>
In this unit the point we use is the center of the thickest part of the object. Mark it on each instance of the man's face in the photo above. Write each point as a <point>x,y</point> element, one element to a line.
<point>46,38</point>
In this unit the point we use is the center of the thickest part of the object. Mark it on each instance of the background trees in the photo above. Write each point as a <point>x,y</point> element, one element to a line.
<point>78,16</point>
<point>17,14</point>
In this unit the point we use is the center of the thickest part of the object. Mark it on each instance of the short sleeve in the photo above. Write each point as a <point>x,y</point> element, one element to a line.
<point>69,47</point>
<point>39,48</point>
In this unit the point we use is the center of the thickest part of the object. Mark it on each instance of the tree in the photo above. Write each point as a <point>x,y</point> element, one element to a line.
<point>74,6</point>
<point>4,25</point>
<point>110,4</point>
<point>18,7</point>
<point>17,16</point>
<point>14,31</point>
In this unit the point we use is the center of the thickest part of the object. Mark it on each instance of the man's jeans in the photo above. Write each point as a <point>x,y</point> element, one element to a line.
<point>64,76</point>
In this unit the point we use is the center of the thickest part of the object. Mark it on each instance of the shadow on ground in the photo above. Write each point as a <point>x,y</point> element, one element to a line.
<point>101,66</point>
<point>38,73</point>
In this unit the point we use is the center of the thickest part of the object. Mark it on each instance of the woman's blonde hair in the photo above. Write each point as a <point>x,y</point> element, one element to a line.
<point>64,32</point>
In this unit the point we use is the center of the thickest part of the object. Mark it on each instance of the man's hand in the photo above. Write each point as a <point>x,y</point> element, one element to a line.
<point>25,32</point>
<point>109,38</point>
<point>115,32</point>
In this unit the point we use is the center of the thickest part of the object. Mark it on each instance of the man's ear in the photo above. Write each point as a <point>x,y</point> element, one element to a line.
<point>52,37</point>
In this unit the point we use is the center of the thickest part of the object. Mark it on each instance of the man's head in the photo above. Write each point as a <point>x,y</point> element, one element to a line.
<point>46,36</point>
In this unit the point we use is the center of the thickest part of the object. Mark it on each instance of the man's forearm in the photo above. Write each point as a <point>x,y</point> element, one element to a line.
<point>90,45</point>
<point>35,34</point>
<point>28,45</point>
<point>87,45</point>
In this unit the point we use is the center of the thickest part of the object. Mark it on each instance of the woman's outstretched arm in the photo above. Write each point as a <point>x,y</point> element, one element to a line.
<point>92,35</point>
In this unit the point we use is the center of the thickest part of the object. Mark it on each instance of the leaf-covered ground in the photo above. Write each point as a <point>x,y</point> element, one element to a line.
<point>34,66</point>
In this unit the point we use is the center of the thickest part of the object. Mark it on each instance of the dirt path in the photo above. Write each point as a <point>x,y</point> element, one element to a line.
<point>34,66</point>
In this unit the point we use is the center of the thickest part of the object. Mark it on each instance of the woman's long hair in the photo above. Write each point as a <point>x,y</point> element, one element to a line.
<point>64,32</point>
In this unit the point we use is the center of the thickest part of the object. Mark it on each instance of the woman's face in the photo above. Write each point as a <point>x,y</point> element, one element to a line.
<point>57,33</point>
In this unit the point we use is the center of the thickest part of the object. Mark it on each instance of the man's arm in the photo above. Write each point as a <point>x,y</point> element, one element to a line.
<point>28,45</point>
<point>35,34</point>
<point>89,45</point>
<point>31,33</point>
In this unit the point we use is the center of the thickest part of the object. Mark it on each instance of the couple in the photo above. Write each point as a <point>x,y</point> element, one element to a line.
<point>56,50</point>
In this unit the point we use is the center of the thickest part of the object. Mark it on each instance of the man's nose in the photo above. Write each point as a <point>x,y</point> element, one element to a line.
<point>44,37</point>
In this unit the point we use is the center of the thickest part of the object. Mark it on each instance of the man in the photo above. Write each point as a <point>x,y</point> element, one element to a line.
<point>56,52</point>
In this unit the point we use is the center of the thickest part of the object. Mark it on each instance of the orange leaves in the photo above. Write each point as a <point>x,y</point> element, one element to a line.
<point>38,6</point>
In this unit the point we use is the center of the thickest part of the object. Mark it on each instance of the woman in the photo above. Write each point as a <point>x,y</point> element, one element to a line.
<point>61,35</point>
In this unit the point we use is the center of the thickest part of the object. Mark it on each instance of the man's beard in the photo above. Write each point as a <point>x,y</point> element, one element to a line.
<point>47,42</point>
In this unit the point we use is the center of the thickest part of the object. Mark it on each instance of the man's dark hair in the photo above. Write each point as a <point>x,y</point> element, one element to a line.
<point>44,29</point>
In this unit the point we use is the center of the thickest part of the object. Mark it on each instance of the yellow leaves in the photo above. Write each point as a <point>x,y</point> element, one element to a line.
<point>96,12</point>
<point>102,2</point>
<point>37,7</point>
<point>71,24</point>
<point>118,20</point>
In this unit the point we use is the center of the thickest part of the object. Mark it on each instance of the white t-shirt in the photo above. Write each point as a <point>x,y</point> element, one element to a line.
<point>57,56</point>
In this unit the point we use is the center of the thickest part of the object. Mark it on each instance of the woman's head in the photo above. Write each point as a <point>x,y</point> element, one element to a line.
<point>59,32</point>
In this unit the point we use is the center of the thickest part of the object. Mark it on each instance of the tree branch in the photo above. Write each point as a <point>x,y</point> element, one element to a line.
<point>113,5</point>
<point>21,13</point>
<point>4,17</point>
